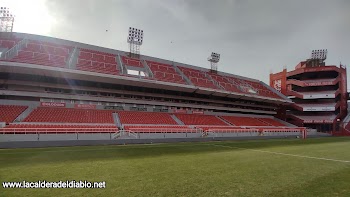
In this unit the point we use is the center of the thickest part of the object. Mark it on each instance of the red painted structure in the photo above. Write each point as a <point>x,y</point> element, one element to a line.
<point>319,93</point>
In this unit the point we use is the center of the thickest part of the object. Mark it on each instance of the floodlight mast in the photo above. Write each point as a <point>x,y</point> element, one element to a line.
<point>317,58</point>
<point>7,19</point>
<point>214,60</point>
<point>135,40</point>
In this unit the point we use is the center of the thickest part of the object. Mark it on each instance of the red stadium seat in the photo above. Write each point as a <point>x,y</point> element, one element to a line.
<point>130,117</point>
<point>193,119</point>
<point>198,78</point>
<point>8,113</point>
<point>165,72</point>
<point>244,121</point>
<point>96,61</point>
<point>69,115</point>
<point>43,53</point>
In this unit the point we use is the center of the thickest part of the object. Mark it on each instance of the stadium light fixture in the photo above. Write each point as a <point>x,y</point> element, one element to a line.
<point>319,54</point>
<point>214,60</point>
<point>135,40</point>
<point>7,19</point>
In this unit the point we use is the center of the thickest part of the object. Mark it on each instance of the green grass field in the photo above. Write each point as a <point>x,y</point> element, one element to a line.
<point>288,167</point>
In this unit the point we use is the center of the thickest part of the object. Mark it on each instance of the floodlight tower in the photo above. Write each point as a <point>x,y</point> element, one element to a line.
<point>135,40</point>
<point>6,20</point>
<point>214,60</point>
<point>317,58</point>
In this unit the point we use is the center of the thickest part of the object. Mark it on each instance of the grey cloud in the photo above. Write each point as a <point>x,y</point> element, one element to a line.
<point>252,36</point>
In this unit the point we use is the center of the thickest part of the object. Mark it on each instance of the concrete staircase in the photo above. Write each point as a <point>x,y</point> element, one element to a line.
<point>188,81</point>
<point>217,84</point>
<point>148,69</point>
<point>123,69</point>
<point>9,54</point>
<point>73,59</point>
<point>117,120</point>
<point>228,123</point>
<point>23,115</point>
<point>178,121</point>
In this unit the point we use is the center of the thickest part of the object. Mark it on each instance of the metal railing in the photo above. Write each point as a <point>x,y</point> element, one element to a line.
<point>57,130</point>
<point>163,130</point>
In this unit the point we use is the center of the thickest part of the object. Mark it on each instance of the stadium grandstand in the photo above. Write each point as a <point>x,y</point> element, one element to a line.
<point>54,89</point>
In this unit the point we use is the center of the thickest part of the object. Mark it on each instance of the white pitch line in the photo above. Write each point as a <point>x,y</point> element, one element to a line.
<point>285,154</point>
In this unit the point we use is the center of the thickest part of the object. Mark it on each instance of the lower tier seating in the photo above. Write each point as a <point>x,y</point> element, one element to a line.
<point>69,115</point>
<point>243,121</point>
<point>272,122</point>
<point>131,117</point>
<point>194,119</point>
<point>8,113</point>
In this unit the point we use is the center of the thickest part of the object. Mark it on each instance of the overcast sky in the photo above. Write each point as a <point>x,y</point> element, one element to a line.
<point>252,36</point>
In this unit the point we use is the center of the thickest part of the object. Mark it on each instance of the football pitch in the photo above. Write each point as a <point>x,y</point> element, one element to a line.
<point>278,167</point>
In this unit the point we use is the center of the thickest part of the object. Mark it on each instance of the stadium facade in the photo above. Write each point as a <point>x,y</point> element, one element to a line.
<point>319,95</point>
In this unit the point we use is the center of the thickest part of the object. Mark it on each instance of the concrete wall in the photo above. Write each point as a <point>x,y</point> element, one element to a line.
<point>37,144</point>
<point>54,137</point>
<point>110,136</point>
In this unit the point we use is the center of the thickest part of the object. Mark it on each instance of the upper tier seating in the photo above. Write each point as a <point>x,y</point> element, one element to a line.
<point>96,61</point>
<point>131,62</point>
<point>198,78</point>
<point>165,72</point>
<point>43,53</point>
<point>131,117</point>
<point>8,113</point>
<point>194,119</point>
<point>225,83</point>
<point>233,84</point>
<point>8,43</point>
<point>244,121</point>
<point>272,122</point>
<point>260,89</point>
<point>69,115</point>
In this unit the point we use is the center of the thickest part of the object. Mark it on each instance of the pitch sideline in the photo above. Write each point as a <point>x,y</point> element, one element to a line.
<point>285,154</point>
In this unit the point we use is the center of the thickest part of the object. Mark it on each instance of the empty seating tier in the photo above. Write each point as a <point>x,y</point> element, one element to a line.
<point>8,43</point>
<point>193,119</point>
<point>50,128</point>
<point>8,113</point>
<point>198,78</point>
<point>96,61</point>
<point>252,87</point>
<point>131,117</point>
<point>43,53</point>
<point>132,62</point>
<point>244,121</point>
<point>272,122</point>
<point>68,115</point>
<point>225,83</point>
<point>165,72</point>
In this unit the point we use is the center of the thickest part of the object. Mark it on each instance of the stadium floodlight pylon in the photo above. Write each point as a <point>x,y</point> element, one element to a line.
<point>7,19</point>
<point>317,58</point>
<point>214,60</point>
<point>135,40</point>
